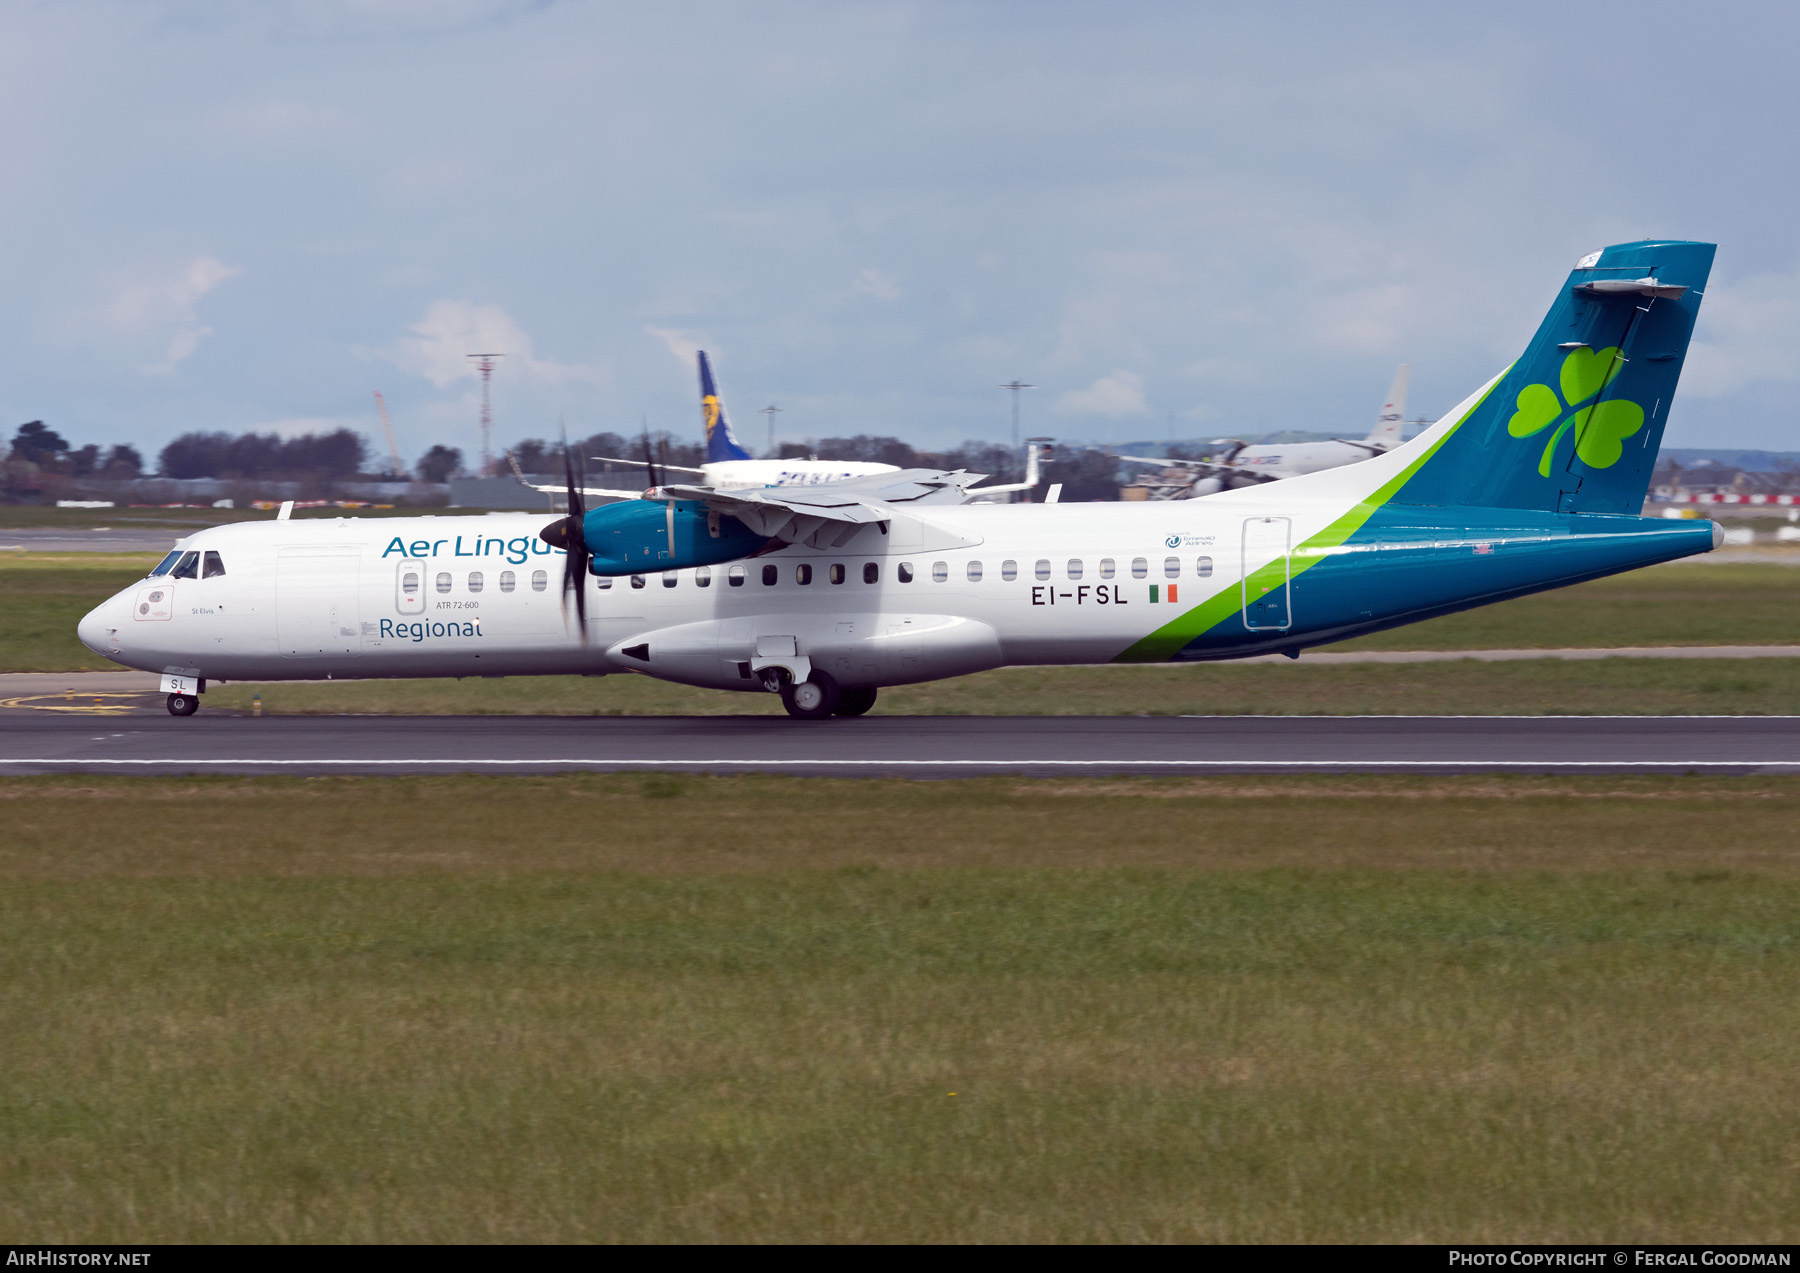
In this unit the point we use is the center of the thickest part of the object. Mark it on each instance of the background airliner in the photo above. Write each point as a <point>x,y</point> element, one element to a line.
<point>827,593</point>
<point>1236,464</point>
<point>729,467</point>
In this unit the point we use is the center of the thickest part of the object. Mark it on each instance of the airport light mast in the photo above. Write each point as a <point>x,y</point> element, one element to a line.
<point>485,364</point>
<point>771,411</point>
<point>1015,386</point>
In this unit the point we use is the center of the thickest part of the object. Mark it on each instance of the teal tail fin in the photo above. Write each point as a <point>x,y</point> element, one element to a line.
<point>1574,425</point>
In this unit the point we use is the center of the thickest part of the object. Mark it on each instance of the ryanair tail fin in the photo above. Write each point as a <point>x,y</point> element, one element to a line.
<point>721,442</point>
<point>1391,423</point>
<point>1574,425</point>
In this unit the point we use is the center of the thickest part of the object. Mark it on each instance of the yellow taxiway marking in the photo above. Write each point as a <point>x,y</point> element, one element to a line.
<point>87,702</point>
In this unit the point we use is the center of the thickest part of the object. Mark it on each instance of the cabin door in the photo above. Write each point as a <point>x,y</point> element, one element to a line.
<point>316,611</point>
<point>1268,573</point>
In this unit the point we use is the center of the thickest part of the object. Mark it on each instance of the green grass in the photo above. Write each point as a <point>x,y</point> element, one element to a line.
<point>627,1009</point>
<point>47,593</point>
<point>1684,604</point>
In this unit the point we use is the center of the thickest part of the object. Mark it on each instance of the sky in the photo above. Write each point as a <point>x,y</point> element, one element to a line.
<point>1184,220</point>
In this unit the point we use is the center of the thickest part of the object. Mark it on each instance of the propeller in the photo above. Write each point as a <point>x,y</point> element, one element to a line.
<point>567,534</point>
<point>651,472</point>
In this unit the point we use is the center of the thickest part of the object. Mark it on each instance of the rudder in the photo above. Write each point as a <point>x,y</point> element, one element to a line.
<point>1575,424</point>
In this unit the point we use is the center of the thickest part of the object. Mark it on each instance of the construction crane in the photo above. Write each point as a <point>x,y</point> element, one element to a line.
<point>387,427</point>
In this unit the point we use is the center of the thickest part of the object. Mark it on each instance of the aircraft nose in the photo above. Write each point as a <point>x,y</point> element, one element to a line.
<point>99,626</point>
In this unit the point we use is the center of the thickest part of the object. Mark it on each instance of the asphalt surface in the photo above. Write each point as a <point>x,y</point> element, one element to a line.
<point>89,741</point>
<point>106,539</point>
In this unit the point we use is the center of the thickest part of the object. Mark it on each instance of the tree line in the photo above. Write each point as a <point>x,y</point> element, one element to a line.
<point>343,454</point>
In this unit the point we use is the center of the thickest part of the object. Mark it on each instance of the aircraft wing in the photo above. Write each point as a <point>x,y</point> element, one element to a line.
<point>828,515</point>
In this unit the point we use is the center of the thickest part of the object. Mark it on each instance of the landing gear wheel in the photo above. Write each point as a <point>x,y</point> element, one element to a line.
<point>854,702</point>
<point>813,699</point>
<point>183,704</point>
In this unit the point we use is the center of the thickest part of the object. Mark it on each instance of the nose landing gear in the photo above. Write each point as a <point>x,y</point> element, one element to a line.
<point>183,704</point>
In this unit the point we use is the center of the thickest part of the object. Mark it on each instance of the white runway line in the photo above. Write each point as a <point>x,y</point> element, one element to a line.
<point>513,762</point>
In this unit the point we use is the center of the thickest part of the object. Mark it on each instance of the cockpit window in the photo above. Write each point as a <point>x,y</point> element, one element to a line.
<point>187,568</point>
<point>166,564</point>
<point>214,566</point>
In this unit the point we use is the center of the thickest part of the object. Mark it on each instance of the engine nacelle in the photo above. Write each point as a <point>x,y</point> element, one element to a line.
<point>636,537</point>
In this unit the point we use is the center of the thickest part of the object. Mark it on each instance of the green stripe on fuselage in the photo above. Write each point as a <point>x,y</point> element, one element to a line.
<point>1172,637</point>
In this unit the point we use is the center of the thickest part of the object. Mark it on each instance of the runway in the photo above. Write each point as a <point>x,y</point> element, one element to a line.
<point>36,742</point>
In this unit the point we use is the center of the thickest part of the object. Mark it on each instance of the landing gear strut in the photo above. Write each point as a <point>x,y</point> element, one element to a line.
<point>812,699</point>
<point>183,704</point>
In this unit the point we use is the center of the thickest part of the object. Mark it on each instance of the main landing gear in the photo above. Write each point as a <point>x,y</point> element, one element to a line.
<point>183,704</point>
<point>819,696</point>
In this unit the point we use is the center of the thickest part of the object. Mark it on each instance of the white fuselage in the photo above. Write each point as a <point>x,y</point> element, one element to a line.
<point>1296,458</point>
<point>952,590</point>
<point>739,475</point>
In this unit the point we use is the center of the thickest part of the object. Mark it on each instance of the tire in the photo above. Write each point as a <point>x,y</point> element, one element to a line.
<point>813,699</point>
<point>854,702</point>
<point>183,704</point>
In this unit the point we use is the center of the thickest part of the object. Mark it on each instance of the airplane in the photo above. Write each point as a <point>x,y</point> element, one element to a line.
<point>827,594</point>
<point>729,467</point>
<point>1241,465</point>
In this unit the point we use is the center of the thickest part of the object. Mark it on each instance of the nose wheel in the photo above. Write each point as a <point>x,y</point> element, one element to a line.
<point>183,704</point>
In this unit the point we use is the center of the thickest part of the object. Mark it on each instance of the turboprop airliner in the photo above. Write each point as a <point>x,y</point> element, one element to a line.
<point>827,594</point>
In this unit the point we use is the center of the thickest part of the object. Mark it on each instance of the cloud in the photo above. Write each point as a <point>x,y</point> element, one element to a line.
<point>1749,332</point>
<point>877,283</point>
<point>148,308</point>
<point>1119,394</point>
<point>680,343</point>
<point>450,331</point>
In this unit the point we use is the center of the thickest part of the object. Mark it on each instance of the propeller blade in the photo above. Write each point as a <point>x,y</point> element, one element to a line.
<point>569,535</point>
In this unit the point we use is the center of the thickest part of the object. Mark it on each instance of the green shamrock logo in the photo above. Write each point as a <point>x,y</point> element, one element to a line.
<point>1600,430</point>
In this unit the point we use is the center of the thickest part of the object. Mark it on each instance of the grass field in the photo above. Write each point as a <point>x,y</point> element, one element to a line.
<point>611,1008</point>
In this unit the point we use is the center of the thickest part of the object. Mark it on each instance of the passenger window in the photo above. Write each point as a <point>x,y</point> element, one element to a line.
<point>837,572</point>
<point>507,581</point>
<point>475,581</point>
<point>1043,568</point>
<point>1203,567</point>
<point>214,566</point>
<point>903,572</point>
<point>702,576</point>
<point>409,582</point>
<point>539,581</point>
<point>1009,570</point>
<point>735,576</point>
<point>803,573</point>
<point>871,572</point>
<point>602,582</point>
<point>940,571</point>
<point>187,568</point>
<point>1172,567</point>
<point>1074,567</point>
<point>770,575</point>
<point>669,577</point>
<point>443,581</point>
<point>1106,567</point>
<point>974,572</point>
<point>1139,568</point>
<point>637,581</point>
<point>166,564</point>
